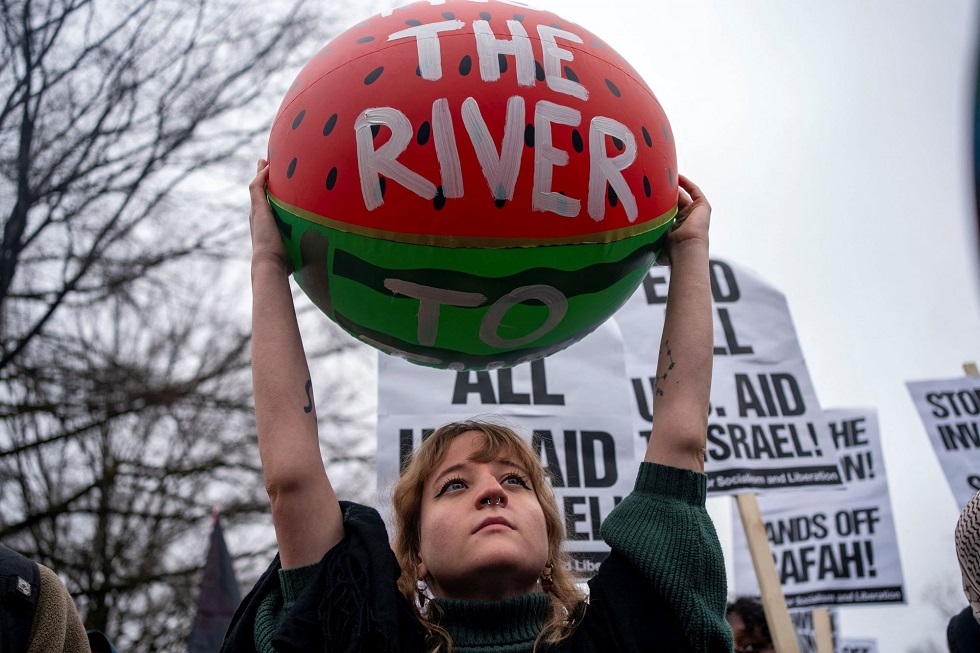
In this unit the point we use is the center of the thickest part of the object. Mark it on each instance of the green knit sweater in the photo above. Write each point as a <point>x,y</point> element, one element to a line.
<point>662,527</point>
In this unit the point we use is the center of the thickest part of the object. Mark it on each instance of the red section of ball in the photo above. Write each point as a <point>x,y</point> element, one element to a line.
<point>588,149</point>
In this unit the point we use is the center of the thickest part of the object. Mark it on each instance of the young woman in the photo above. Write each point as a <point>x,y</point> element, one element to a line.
<point>477,562</point>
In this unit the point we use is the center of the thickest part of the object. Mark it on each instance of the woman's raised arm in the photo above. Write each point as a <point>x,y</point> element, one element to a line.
<point>305,511</point>
<point>682,393</point>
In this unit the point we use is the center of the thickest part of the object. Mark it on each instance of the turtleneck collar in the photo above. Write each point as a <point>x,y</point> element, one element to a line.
<point>506,626</point>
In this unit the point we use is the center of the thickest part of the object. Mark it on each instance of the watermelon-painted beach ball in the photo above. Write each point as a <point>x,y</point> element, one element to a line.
<point>471,184</point>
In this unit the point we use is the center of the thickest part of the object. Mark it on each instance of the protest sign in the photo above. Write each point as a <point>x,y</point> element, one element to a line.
<point>950,412</point>
<point>766,430</point>
<point>851,645</point>
<point>833,547</point>
<point>572,406</point>
<point>806,635</point>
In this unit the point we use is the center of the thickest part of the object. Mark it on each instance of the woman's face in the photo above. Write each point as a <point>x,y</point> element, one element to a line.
<point>483,533</point>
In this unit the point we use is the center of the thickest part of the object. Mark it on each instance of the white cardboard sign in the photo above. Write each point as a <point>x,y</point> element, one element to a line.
<point>573,407</point>
<point>766,429</point>
<point>833,547</point>
<point>854,645</point>
<point>950,412</point>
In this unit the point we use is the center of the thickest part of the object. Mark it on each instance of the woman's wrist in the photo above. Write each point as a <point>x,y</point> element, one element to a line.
<point>269,264</point>
<point>692,246</point>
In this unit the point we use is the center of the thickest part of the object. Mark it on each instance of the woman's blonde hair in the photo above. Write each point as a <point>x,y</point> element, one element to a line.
<point>567,601</point>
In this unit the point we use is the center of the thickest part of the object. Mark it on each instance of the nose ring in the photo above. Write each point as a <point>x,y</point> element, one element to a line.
<point>486,500</point>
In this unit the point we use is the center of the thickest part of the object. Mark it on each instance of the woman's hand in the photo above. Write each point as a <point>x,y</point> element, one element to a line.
<point>691,222</point>
<point>266,241</point>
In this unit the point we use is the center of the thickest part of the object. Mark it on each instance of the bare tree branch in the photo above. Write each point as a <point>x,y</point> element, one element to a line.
<point>125,389</point>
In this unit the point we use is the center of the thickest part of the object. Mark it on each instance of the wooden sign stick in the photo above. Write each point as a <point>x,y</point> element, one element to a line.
<point>822,631</point>
<point>773,601</point>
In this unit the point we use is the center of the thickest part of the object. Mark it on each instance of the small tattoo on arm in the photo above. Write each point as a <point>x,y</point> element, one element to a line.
<point>663,377</point>
<point>308,408</point>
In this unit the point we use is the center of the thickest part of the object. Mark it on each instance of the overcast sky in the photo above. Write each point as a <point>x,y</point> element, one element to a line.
<point>833,140</point>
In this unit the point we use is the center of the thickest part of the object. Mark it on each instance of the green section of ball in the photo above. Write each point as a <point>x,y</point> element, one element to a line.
<point>464,307</point>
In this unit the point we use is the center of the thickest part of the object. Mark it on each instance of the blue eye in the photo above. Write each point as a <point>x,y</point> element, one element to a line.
<point>515,479</point>
<point>452,485</point>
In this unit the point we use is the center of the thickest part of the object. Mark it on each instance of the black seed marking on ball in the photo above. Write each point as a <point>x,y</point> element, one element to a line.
<point>285,228</point>
<point>375,129</point>
<point>465,66</point>
<point>598,44</point>
<point>411,22</point>
<point>294,86</point>
<point>556,26</point>
<point>448,15</point>
<point>618,143</point>
<point>647,189</point>
<point>577,142</point>
<point>291,169</point>
<point>646,137</point>
<point>418,71</point>
<point>439,201</point>
<point>331,123</point>
<point>314,248</point>
<point>299,118</point>
<point>519,18</point>
<point>485,15</point>
<point>613,200</point>
<point>538,71</point>
<point>570,74</point>
<point>663,128</point>
<point>502,63</point>
<point>529,135</point>
<point>670,174</point>
<point>383,183</point>
<point>332,178</point>
<point>365,39</point>
<point>612,87</point>
<point>374,75</point>
<point>425,130</point>
<point>500,203</point>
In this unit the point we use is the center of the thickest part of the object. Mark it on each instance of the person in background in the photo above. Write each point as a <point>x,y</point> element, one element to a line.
<point>963,630</point>
<point>748,621</point>
<point>37,614</point>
